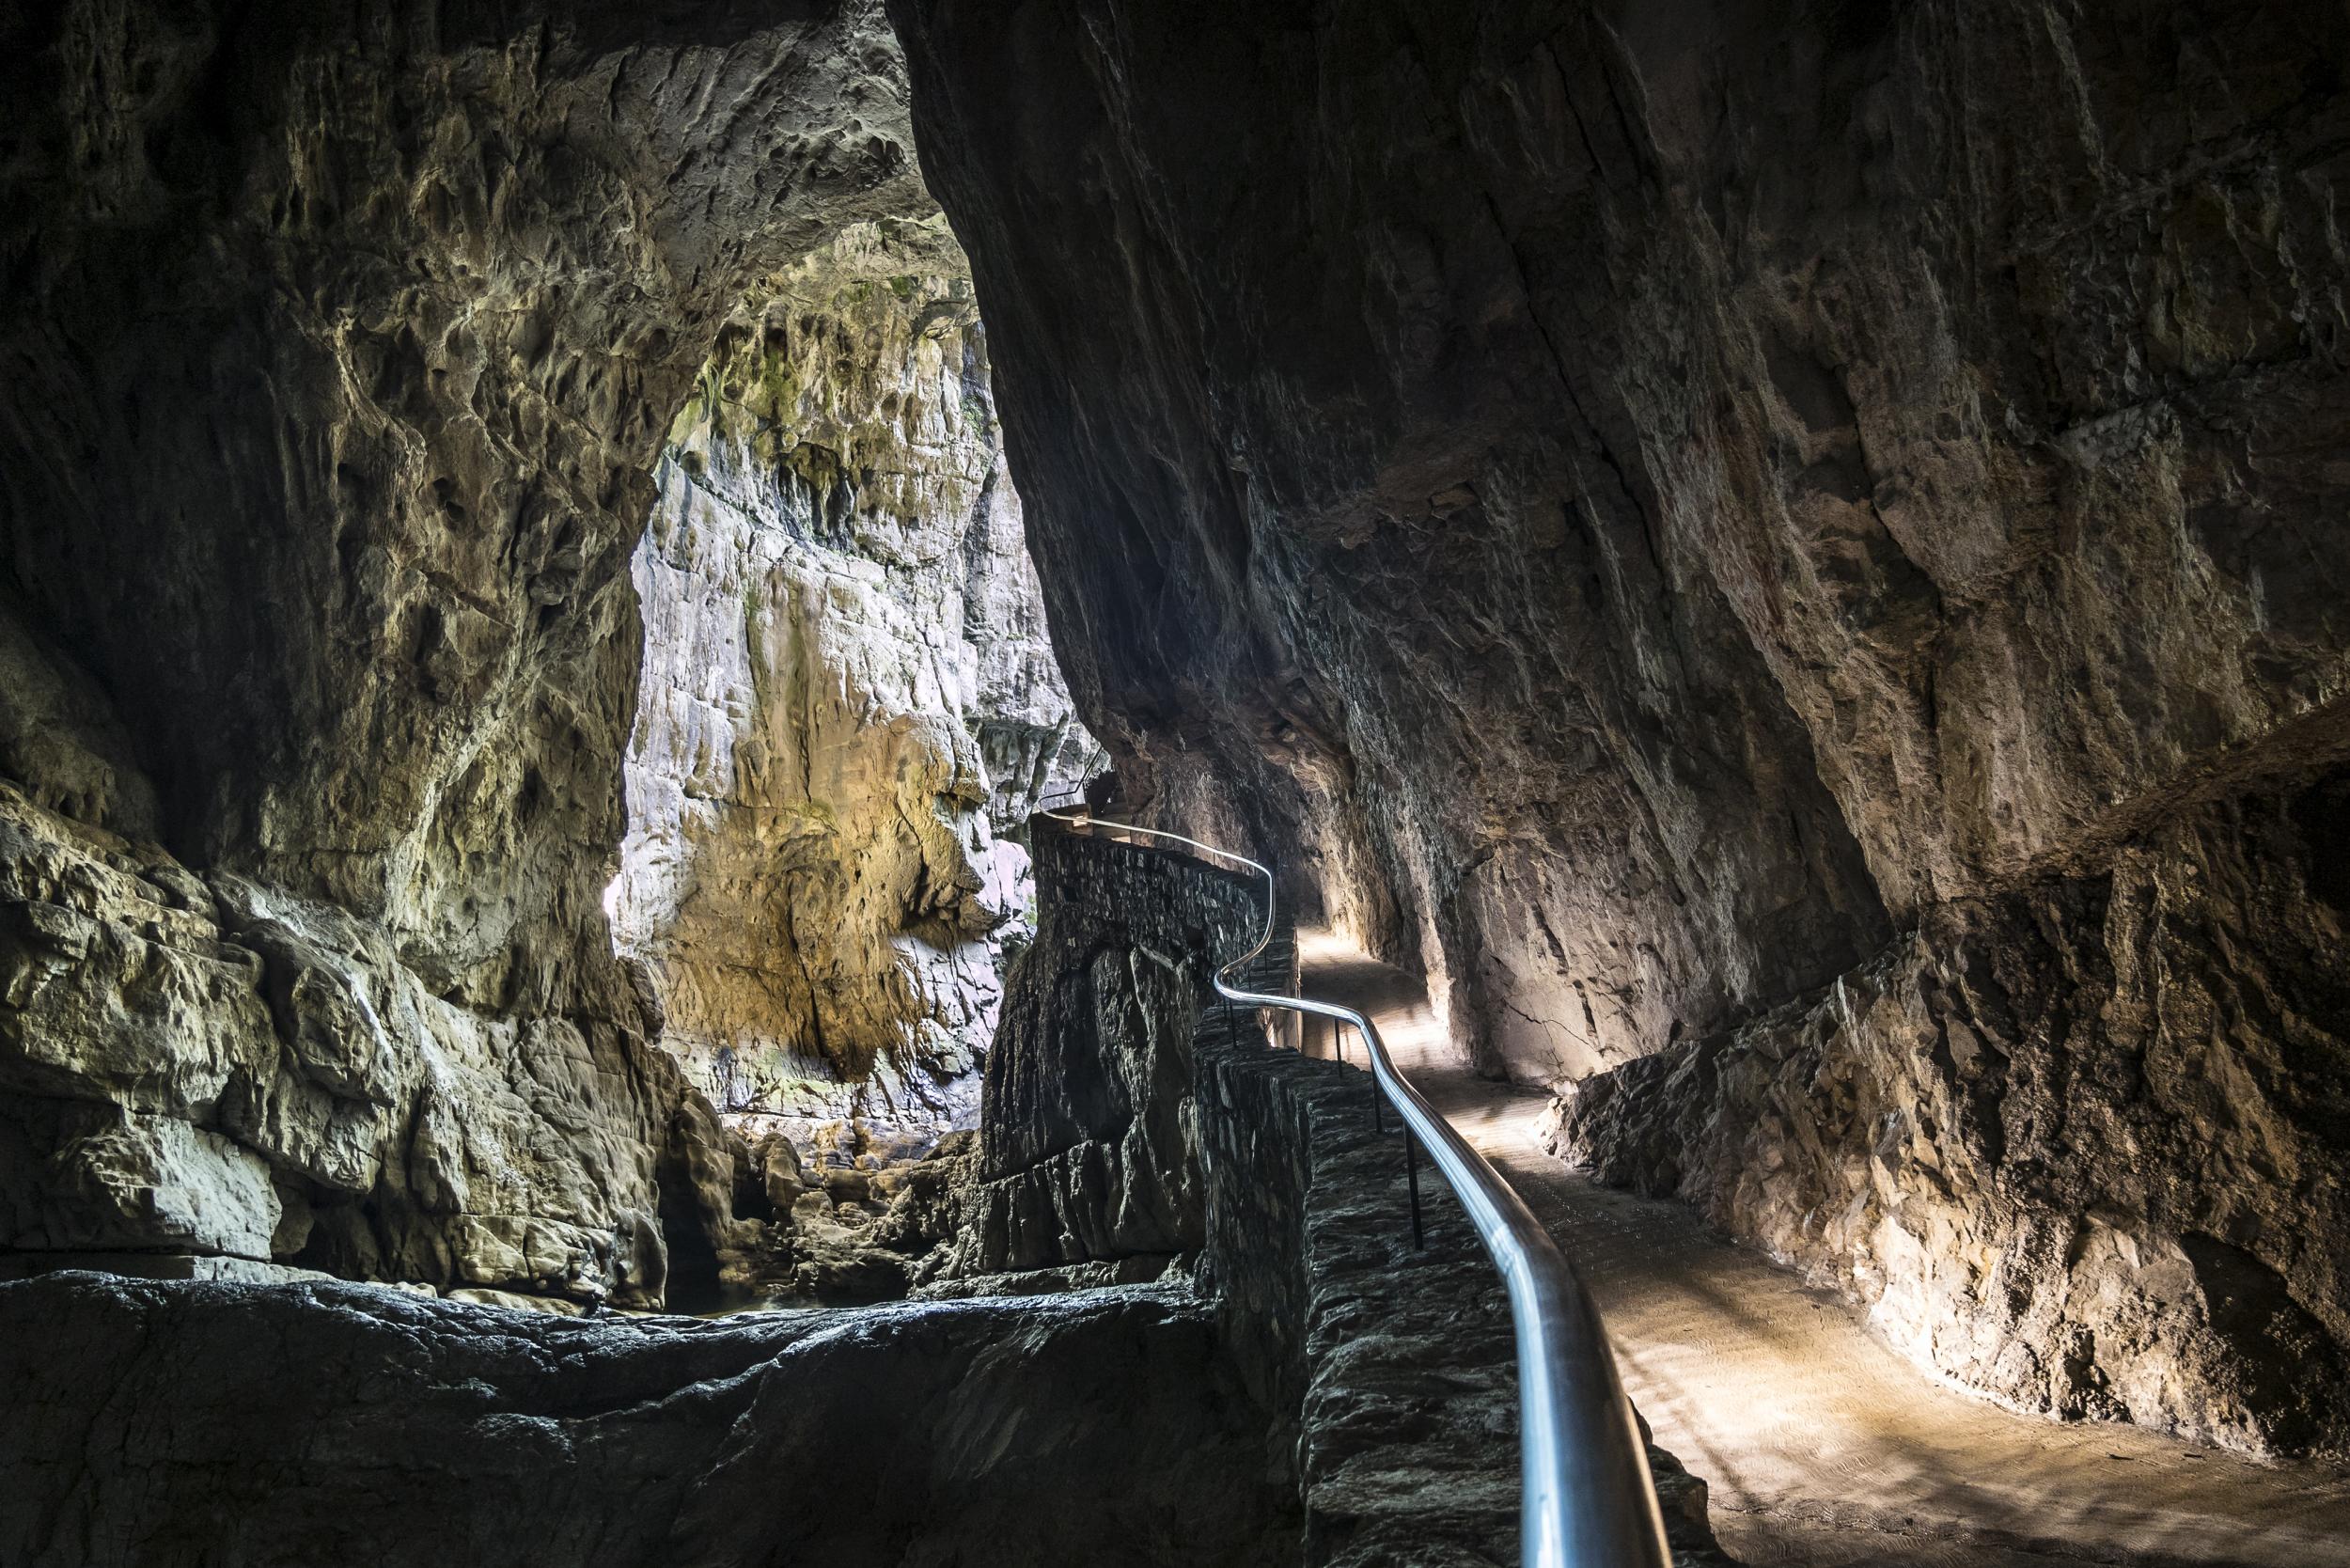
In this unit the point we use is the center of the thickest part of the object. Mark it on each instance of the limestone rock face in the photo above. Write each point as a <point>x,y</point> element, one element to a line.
<point>388,342</point>
<point>2071,1144</point>
<point>206,1066</point>
<point>1648,511</point>
<point>848,703</point>
<point>340,348</point>
<point>1000,1435</point>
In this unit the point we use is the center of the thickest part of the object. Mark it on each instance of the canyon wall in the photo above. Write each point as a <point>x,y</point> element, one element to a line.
<point>340,351</point>
<point>849,706</point>
<point>1666,515</point>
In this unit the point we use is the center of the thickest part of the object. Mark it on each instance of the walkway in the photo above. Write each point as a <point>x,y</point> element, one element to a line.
<point>1823,1446</point>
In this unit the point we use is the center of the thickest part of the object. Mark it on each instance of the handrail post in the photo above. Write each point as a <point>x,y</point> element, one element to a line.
<point>1411,1179</point>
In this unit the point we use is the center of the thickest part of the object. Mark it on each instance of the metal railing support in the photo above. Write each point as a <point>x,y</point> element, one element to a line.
<point>1411,1180</point>
<point>1586,1498</point>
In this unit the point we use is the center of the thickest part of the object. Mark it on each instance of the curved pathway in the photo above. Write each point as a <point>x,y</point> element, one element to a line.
<point>1823,1446</point>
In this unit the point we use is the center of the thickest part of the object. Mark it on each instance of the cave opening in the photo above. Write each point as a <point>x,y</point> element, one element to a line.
<point>848,708</point>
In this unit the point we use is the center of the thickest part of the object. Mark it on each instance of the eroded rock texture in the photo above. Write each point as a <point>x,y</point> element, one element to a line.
<point>1652,510</point>
<point>848,702</point>
<point>211,1067</point>
<point>2079,1145</point>
<point>1386,1369</point>
<point>1010,1434</point>
<point>339,349</point>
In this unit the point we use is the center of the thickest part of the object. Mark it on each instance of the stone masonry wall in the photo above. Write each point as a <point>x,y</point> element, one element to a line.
<point>1391,1366</point>
<point>1388,1371</point>
<point>1089,1140</point>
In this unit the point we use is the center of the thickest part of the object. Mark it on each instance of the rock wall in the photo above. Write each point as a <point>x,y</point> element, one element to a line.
<point>849,705</point>
<point>1653,509</point>
<point>339,349</point>
<point>203,1065</point>
<point>2078,1146</point>
<point>1000,1435</point>
<point>1089,1137</point>
<point>1392,1367</point>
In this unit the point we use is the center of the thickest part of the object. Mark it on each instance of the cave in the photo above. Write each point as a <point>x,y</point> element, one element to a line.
<point>926,782</point>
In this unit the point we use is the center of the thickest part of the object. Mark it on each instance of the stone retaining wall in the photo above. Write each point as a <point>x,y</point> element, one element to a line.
<point>1086,1135</point>
<point>1389,1370</point>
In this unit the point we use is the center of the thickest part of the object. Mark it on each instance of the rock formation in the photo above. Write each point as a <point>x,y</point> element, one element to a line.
<point>998,1435</point>
<point>1333,1394</point>
<point>1089,1151</point>
<point>340,348</point>
<point>1653,514</point>
<point>849,705</point>
<point>2075,1144</point>
<point>1791,558</point>
<point>211,1067</point>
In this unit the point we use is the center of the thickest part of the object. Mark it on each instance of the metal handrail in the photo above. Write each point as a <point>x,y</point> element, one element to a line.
<point>1587,1500</point>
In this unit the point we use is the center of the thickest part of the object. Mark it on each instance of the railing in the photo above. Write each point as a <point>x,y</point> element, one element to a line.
<point>1587,1500</point>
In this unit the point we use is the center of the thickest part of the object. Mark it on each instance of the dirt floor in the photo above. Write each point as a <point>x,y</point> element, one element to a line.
<point>1823,1446</point>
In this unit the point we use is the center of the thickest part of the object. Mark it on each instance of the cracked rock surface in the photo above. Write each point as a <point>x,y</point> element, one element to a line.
<point>340,348</point>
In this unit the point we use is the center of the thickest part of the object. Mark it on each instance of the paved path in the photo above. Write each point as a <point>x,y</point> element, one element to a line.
<point>1823,1446</point>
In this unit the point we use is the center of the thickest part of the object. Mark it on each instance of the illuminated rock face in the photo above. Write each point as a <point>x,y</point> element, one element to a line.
<point>206,1066</point>
<point>848,702</point>
<point>2073,1145</point>
<point>318,694</point>
<point>340,351</point>
<point>1683,523</point>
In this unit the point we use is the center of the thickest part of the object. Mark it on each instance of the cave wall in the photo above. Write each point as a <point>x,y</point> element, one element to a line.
<point>340,348</point>
<point>2079,1145</point>
<point>210,1067</point>
<point>849,705</point>
<point>998,1434</point>
<point>1388,1362</point>
<point>1657,510</point>
<point>1132,1122</point>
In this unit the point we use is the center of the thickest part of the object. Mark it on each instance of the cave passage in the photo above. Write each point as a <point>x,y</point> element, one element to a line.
<point>1770,581</point>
